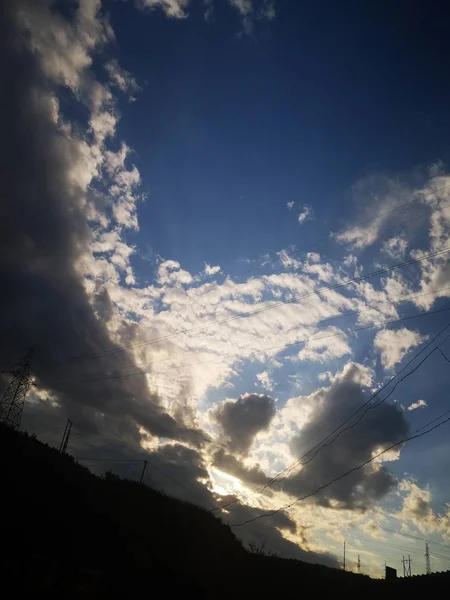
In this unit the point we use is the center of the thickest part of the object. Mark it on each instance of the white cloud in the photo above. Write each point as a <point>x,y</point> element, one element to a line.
<point>288,261</point>
<point>209,10</point>
<point>122,185</point>
<point>249,10</point>
<point>322,350</point>
<point>172,8</point>
<point>171,273</point>
<point>305,214</point>
<point>111,244</point>
<point>265,380</point>
<point>211,270</point>
<point>245,7</point>
<point>103,124</point>
<point>394,344</point>
<point>395,247</point>
<point>65,47</point>
<point>324,271</point>
<point>179,301</point>
<point>313,257</point>
<point>374,198</point>
<point>290,205</point>
<point>417,509</point>
<point>122,79</point>
<point>253,10</point>
<point>268,10</point>
<point>418,404</point>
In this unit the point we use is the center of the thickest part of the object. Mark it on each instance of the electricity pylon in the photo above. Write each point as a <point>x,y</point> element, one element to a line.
<point>13,400</point>
<point>406,562</point>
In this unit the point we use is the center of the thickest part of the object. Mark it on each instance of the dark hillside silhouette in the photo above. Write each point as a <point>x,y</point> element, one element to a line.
<point>67,533</point>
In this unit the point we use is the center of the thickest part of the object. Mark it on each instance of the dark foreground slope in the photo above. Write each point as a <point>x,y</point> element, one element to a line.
<point>67,533</point>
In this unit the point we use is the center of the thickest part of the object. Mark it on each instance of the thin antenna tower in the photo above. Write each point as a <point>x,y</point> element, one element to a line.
<point>358,564</point>
<point>427,559</point>
<point>13,400</point>
<point>66,437</point>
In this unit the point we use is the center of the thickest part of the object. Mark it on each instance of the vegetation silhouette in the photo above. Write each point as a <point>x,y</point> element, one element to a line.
<point>67,533</point>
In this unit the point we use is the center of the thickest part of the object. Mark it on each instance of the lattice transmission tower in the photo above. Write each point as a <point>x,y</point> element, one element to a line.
<point>13,400</point>
<point>406,562</point>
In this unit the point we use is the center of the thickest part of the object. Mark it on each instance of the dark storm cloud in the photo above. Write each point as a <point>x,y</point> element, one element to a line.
<point>181,472</point>
<point>178,470</point>
<point>232,465</point>
<point>43,232</point>
<point>379,429</point>
<point>266,532</point>
<point>243,418</point>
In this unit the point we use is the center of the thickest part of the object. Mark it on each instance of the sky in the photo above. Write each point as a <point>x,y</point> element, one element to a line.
<point>224,233</point>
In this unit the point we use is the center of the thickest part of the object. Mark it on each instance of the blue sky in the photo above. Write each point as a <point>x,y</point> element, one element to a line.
<point>230,173</point>
<point>230,128</point>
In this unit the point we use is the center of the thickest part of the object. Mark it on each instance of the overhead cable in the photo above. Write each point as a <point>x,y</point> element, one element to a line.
<point>336,479</point>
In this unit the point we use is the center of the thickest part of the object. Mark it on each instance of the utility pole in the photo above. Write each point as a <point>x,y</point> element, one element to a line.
<point>344,556</point>
<point>358,565</point>
<point>143,472</point>
<point>13,400</point>
<point>406,562</point>
<point>66,437</point>
<point>427,559</point>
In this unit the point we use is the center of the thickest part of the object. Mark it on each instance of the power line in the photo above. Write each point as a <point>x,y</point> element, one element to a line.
<point>284,346</point>
<point>370,408</point>
<point>358,225</point>
<point>319,446</point>
<point>373,307</point>
<point>322,487</point>
<point>362,550</point>
<point>82,459</point>
<point>440,556</point>
<point>177,482</point>
<point>441,207</point>
<point>366,539</point>
<point>447,359</point>
<point>410,535</point>
<point>428,213</point>
<point>329,442</point>
<point>152,466</point>
<point>247,314</point>
<point>192,490</point>
<point>13,399</point>
<point>309,339</point>
<point>433,421</point>
<point>412,550</point>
